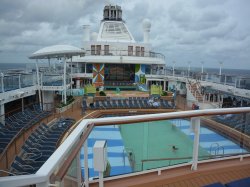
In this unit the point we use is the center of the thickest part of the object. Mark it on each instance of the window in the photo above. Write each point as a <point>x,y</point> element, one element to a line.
<point>142,51</point>
<point>98,50</point>
<point>106,50</point>
<point>137,51</point>
<point>130,50</point>
<point>92,49</point>
<point>89,68</point>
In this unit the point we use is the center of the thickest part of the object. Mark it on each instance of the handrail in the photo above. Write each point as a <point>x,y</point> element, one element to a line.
<point>54,162</point>
<point>189,157</point>
<point>72,156</point>
<point>211,146</point>
<point>132,53</point>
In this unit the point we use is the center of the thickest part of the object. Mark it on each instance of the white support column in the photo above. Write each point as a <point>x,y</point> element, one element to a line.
<point>86,167</point>
<point>2,112</point>
<point>100,179</point>
<point>2,85</point>
<point>79,173</point>
<point>164,85</point>
<point>64,81</point>
<point>19,81</point>
<point>44,184</point>
<point>77,83</point>
<point>38,83</point>
<point>195,122</point>
<point>71,91</point>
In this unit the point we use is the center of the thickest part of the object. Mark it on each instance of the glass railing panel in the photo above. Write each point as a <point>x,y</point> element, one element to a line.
<point>52,80</point>
<point>1,84</point>
<point>27,80</point>
<point>11,82</point>
<point>125,53</point>
<point>230,80</point>
<point>225,135</point>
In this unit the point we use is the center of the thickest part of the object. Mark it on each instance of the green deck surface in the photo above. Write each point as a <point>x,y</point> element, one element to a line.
<point>155,140</point>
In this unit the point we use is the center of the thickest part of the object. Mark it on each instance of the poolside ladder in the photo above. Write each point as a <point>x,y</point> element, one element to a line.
<point>215,146</point>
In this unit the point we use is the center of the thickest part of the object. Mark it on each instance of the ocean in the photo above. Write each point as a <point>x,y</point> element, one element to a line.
<point>235,72</point>
<point>20,66</point>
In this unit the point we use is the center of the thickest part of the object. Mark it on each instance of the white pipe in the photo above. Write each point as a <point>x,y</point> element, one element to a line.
<point>38,84</point>
<point>195,122</point>
<point>86,167</point>
<point>64,81</point>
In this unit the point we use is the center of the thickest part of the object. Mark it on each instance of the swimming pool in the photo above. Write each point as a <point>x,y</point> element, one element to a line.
<point>129,144</point>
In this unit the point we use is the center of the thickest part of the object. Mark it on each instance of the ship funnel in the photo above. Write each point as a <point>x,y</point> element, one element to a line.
<point>86,33</point>
<point>146,25</point>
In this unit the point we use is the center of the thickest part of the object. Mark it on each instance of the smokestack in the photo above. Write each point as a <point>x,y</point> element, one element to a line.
<point>86,33</point>
<point>146,25</point>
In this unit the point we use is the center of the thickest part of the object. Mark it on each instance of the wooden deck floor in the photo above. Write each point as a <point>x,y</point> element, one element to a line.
<point>222,171</point>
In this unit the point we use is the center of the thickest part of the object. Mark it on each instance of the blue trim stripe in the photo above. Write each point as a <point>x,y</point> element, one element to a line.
<point>209,137</point>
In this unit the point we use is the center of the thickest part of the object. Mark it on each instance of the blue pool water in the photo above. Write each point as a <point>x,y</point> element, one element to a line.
<point>209,139</point>
<point>117,156</point>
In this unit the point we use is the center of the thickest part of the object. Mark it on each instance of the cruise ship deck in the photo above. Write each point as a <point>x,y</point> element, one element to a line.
<point>112,113</point>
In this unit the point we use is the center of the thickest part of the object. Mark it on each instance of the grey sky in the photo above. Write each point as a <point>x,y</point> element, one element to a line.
<point>183,30</point>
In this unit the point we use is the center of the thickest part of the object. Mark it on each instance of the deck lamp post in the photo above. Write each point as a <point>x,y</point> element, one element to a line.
<point>202,64</point>
<point>173,67</point>
<point>189,63</point>
<point>221,64</point>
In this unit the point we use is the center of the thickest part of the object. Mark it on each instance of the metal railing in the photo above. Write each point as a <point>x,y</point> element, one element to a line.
<point>61,159</point>
<point>133,53</point>
<point>16,81</point>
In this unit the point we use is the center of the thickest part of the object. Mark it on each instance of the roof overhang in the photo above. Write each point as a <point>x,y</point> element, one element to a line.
<point>57,51</point>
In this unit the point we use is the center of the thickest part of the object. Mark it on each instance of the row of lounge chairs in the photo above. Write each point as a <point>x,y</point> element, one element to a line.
<point>121,83</point>
<point>234,121</point>
<point>18,122</point>
<point>132,102</point>
<point>40,145</point>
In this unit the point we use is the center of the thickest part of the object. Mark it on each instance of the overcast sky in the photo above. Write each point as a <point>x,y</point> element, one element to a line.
<point>183,30</point>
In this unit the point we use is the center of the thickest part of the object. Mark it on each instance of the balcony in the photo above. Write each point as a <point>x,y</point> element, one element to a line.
<point>122,56</point>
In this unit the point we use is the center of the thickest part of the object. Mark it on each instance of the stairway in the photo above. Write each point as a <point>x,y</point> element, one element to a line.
<point>195,90</point>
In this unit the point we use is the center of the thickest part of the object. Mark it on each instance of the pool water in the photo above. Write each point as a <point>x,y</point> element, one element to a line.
<point>211,141</point>
<point>129,144</point>
<point>155,140</point>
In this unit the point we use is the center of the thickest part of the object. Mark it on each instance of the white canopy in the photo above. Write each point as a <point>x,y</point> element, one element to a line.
<point>56,51</point>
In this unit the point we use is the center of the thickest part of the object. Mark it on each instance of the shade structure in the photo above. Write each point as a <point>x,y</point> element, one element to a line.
<point>57,51</point>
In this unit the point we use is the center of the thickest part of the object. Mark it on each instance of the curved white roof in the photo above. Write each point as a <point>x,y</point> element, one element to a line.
<point>55,51</point>
<point>114,31</point>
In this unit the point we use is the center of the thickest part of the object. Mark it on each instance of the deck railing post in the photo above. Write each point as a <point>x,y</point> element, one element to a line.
<point>195,122</point>
<point>44,184</point>
<point>2,83</point>
<point>86,167</point>
<point>79,176</point>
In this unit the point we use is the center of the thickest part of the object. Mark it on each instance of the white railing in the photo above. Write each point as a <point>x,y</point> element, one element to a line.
<point>42,177</point>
